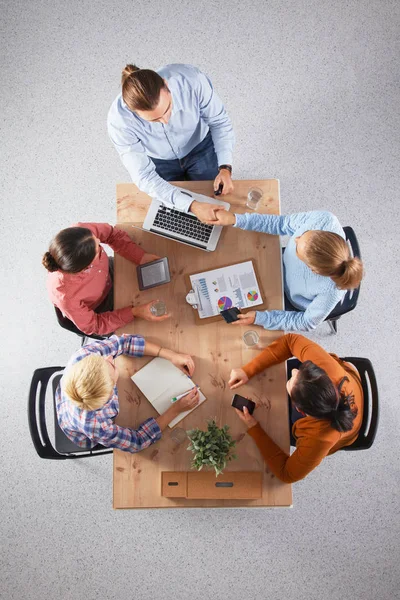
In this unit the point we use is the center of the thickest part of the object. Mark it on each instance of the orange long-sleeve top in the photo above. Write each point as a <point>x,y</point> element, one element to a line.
<point>315,438</point>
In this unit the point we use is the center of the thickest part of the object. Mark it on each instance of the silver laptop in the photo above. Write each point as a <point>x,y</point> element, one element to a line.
<point>184,227</point>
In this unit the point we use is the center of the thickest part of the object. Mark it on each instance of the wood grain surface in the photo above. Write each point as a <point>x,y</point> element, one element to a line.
<point>216,348</point>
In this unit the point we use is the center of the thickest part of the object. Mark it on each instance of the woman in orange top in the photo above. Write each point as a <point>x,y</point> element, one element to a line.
<point>327,405</point>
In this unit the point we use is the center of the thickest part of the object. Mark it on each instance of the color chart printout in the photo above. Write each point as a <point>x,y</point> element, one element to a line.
<point>223,288</point>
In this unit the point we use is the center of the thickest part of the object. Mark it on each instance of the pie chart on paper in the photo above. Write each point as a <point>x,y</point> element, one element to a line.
<point>252,295</point>
<point>224,303</point>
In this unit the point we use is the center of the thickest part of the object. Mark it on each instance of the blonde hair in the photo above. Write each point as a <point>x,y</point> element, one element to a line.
<point>88,383</point>
<point>141,88</point>
<point>328,254</point>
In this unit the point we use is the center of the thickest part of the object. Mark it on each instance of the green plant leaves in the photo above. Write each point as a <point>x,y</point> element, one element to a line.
<point>211,448</point>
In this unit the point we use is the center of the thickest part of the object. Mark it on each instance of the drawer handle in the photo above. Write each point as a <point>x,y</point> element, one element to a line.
<point>173,483</point>
<point>224,484</point>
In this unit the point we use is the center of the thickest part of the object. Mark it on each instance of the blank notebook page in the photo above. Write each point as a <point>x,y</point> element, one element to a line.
<point>160,381</point>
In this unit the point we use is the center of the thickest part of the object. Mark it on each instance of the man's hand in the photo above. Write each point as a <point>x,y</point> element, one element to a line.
<point>204,211</point>
<point>188,402</point>
<point>184,362</point>
<point>246,318</point>
<point>146,258</point>
<point>223,218</point>
<point>246,417</point>
<point>143,312</point>
<point>237,378</point>
<point>224,177</point>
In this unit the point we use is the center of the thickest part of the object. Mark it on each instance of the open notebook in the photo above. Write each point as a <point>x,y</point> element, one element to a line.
<point>160,381</point>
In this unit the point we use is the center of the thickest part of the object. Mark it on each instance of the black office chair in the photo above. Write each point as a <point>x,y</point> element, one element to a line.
<point>70,326</point>
<point>369,425</point>
<point>350,299</point>
<point>63,447</point>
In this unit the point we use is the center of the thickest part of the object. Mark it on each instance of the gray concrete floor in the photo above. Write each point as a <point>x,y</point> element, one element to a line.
<point>312,88</point>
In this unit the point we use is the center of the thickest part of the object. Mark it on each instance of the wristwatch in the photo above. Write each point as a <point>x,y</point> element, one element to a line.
<point>228,167</point>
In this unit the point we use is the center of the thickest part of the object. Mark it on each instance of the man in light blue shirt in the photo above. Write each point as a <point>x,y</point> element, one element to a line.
<point>170,125</point>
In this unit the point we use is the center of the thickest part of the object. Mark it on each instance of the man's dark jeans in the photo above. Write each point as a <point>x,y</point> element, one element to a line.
<point>200,164</point>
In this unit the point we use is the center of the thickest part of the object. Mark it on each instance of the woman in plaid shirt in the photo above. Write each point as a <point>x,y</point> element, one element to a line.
<point>87,396</point>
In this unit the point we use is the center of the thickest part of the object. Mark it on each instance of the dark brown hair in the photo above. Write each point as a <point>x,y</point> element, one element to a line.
<point>141,88</point>
<point>71,251</point>
<point>314,393</point>
<point>328,254</point>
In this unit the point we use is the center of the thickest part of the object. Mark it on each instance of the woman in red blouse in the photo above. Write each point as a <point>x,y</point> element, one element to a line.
<point>80,279</point>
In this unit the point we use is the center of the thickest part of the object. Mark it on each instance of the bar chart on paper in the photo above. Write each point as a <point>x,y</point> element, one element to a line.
<point>223,288</point>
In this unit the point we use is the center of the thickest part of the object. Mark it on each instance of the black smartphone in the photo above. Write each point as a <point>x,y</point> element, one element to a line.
<point>230,314</point>
<point>218,192</point>
<point>238,402</point>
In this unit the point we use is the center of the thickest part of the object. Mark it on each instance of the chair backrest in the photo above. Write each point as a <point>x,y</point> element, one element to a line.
<point>292,363</point>
<point>370,420</point>
<point>69,325</point>
<point>351,297</point>
<point>64,447</point>
<point>37,413</point>
<point>66,323</point>
<point>369,424</point>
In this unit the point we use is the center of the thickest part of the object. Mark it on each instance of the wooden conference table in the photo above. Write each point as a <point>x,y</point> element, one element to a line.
<point>216,347</point>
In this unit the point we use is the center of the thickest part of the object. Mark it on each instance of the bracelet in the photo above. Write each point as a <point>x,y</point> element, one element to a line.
<point>228,167</point>
<point>158,353</point>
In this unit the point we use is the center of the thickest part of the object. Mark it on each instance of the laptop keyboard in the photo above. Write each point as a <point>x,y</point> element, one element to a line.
<point>182,224</point>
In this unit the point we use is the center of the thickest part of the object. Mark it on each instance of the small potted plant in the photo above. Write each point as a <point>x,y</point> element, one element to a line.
<point>211,448</point>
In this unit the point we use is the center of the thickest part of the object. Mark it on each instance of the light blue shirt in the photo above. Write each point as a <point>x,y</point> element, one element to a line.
<point>196,110</point>
<point>314,294</point>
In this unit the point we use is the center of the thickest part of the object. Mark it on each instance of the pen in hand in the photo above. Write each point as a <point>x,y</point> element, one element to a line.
<point>176,398</point>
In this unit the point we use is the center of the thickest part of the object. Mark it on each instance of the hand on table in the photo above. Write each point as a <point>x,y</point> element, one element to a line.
<point>222,218</point>
<point>204,211</point>
<point>225,178</point>
<point>184,362</point>
<point>188,402</point>
<point>237,378</point>
<point>246,417</point>
<point>246,318</point>
<point>146,258</point>
<point>143,312</point>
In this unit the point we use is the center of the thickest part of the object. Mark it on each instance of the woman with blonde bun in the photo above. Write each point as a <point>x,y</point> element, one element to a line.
<point>318,266</point>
